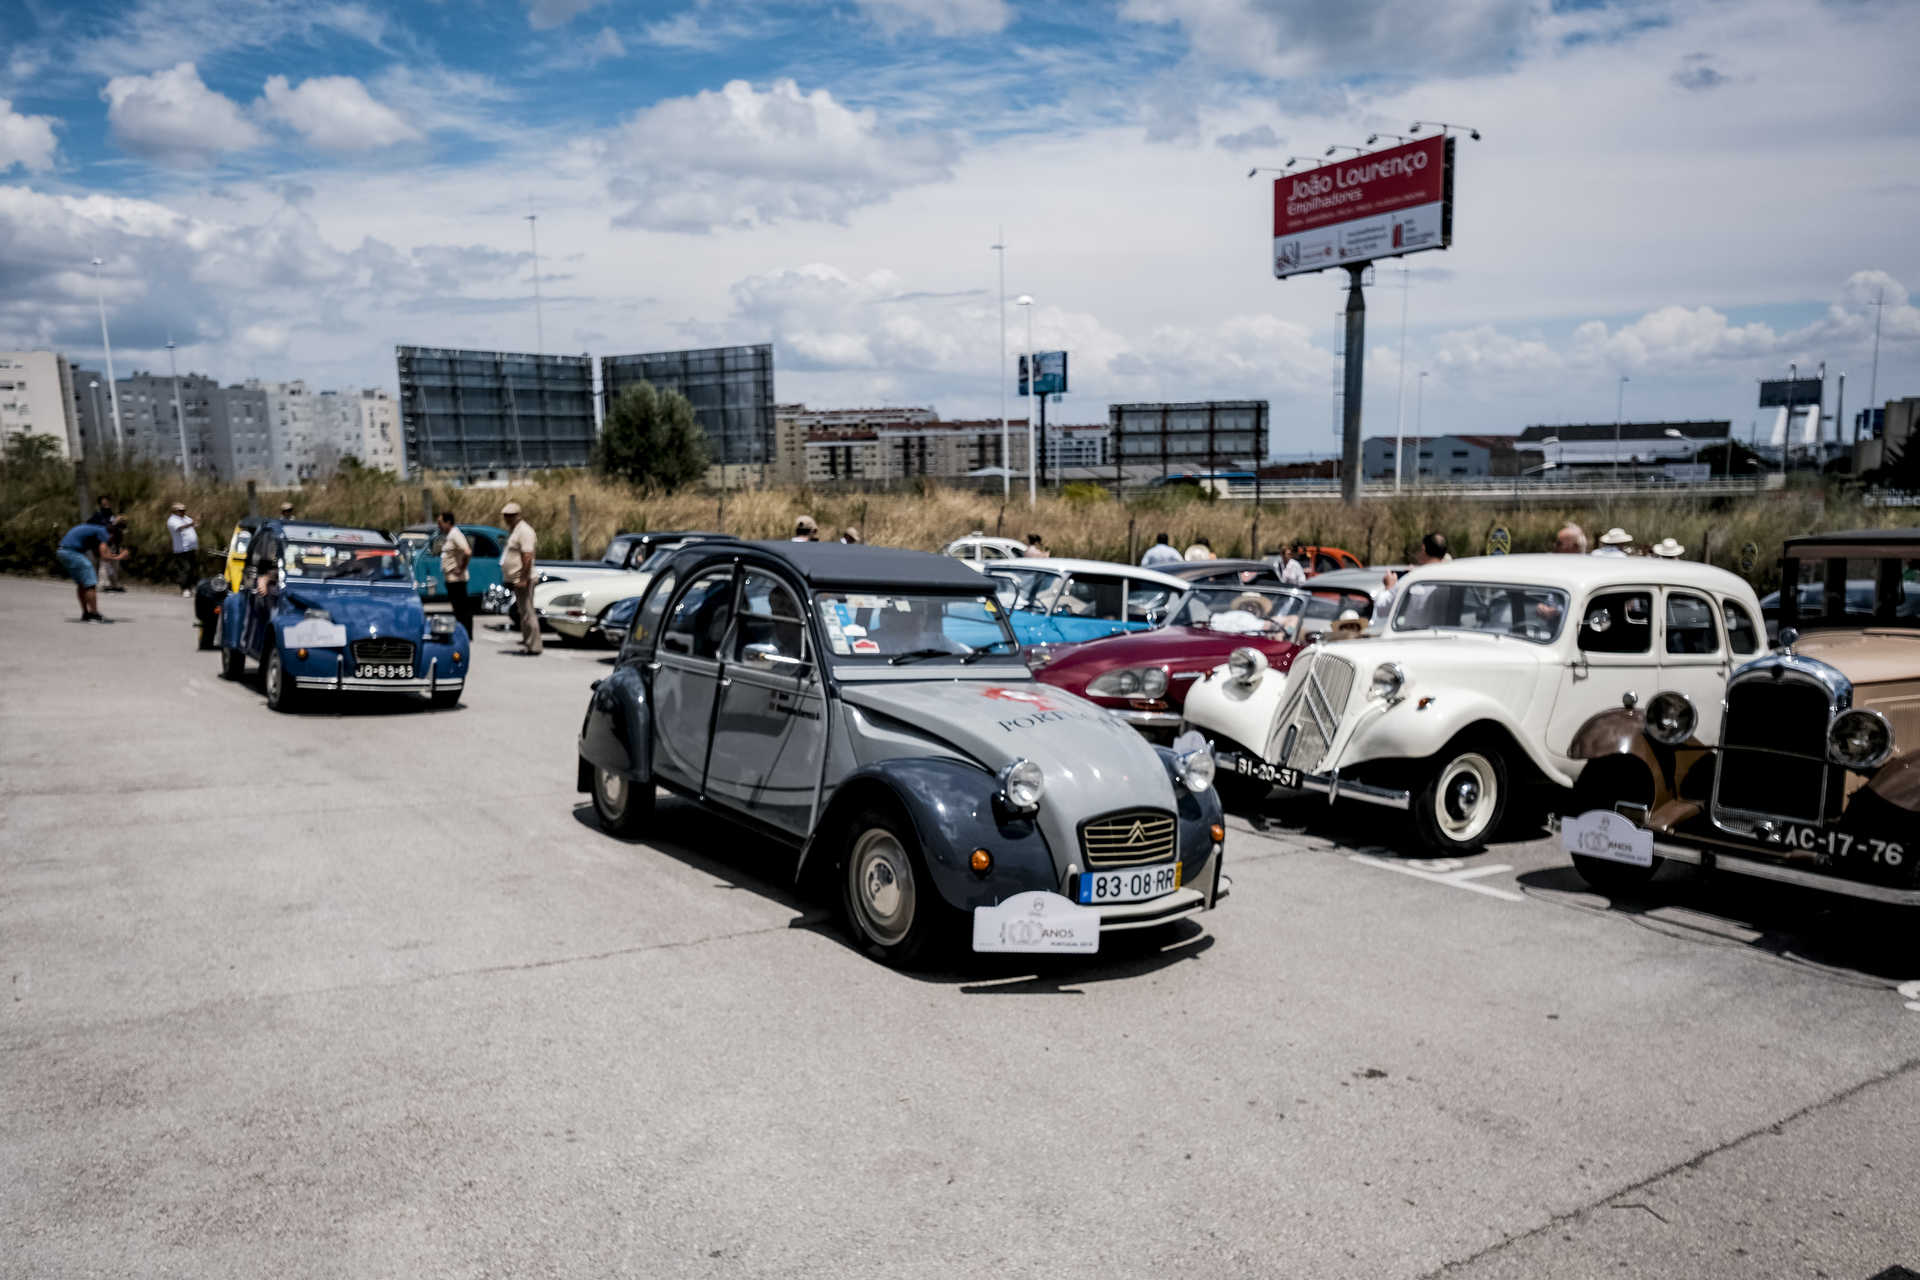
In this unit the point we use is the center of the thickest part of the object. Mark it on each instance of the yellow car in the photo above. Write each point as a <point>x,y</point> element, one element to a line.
<point>213,589</point>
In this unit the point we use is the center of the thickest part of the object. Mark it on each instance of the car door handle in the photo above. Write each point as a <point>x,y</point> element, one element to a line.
<point>726,682</point>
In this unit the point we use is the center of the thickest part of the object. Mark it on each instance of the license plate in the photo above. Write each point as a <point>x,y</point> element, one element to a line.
<point>1831,845</point>
<point>1259,770</point>
<point>385,670</point>
<point>1134,884</point>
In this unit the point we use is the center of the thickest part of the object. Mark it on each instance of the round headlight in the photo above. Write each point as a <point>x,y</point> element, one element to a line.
<point>440,625</point>
<point>1388,680</point>
<point>1246,664</point>
<point>1023,784</point>
<point>1671,718</point>
<point>1195,769</point>
<point>1153,682</point>
<point>1860,738</point>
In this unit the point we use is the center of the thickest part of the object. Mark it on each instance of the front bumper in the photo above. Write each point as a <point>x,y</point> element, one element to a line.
<point>1718,860</point>
<point>340,680</point>
<point>1331,785</point>
<point>575,626</point>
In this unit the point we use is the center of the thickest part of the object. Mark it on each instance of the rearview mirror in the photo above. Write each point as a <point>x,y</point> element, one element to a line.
<point>766,656</point>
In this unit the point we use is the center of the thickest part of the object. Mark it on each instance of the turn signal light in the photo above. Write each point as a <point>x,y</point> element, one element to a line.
<point>456,655</point>
<point>1218,832</point>
<point>300,654</point>
<point>981,862</point>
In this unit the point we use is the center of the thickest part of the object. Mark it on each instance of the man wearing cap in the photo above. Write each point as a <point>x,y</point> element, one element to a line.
<point>186,546</point>
<point>286,511</point>
<point>1614,542</point>
<point>516,570</point>
<point>805,530</point>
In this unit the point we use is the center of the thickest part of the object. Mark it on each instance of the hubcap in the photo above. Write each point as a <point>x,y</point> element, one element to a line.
<point>881,879</point>
<point>1467,796</point>
<point>613,791</point>
<point>273,676</point>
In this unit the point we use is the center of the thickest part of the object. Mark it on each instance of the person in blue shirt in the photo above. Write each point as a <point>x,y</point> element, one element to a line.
<point>75,558</point>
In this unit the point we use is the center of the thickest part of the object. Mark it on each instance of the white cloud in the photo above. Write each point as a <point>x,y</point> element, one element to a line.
<point>543,14</point>
<point>1485,350</point>
<point>1286,38</point>
<point>25,140</point>
<point>1259,138</point>
<point>944,17</point>
<point>172,117</point>
<point>335,113</point>
<point>739,157</point>
<point>607,44</point>
<point>1672,336</point>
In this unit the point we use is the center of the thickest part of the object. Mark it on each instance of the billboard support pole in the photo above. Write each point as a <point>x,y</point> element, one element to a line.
<point>1356,354</point>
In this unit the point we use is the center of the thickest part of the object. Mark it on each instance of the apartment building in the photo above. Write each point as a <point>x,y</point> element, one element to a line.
<point>793,424</point>
<point>936,450</point>
<point>241,443</point>
<point>36,398</point>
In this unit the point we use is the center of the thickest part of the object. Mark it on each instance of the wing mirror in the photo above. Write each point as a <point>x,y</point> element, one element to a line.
<point>767,657</point>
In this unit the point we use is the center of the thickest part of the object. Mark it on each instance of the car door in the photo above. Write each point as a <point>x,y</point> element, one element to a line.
<point>256,607</point>
<point>770,736</point>
<point>1694,654</point>
<point>1612,656</point>
<point>686,678</point>
<point>483,569</point>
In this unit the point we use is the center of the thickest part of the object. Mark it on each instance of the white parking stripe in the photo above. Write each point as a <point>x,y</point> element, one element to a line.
<point>1461,879</point>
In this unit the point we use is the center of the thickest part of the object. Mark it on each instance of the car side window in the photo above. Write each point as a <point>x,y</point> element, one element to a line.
<point>617,552</point>
<point>769,615</point>
<point>698,623</point>
<point>484,546</point>
<point>1618,622</point>
<point>1148,601</point>
<point>259,554</point>
<point>1093,597</point>
<point>1743,636</point>
<point>646,619</point>
<point>1690,629</point>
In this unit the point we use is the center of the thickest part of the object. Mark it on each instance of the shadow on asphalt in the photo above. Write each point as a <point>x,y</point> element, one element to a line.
<point>1364,828</point>
<point>1797,925</point>
<point>345,705</point>
<point>745,860</point>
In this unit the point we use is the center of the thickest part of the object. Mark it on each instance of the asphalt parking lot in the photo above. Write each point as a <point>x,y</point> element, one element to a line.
<point>365,991</point>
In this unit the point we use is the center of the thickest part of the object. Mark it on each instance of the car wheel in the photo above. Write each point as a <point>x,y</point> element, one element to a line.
<point>280,691</point>
<point>891,906</point>
<point>624,807</point>
<point>1462,802</point>
<point>1601,785</point>
<point>233,663</point>
<point>206,632</point>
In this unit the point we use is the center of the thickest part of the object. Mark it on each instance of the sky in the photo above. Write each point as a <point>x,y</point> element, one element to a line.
<point>1687,194</point>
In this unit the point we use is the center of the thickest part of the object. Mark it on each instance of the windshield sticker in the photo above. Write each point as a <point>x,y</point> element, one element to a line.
<point>864,602</point>
<point>903,606</point>
<point>990,606</point>
<point>866,646</point>
<point>836,638</point>
<point>854,629</point>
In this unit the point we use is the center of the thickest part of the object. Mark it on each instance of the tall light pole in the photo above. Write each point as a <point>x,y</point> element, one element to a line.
<point>539,325</point>
<point>180,419</point>
<point>1400,396</point>
<point>1006,430</point>
<point>93,387</point>
<point>1419,418</point>
<point>113,390</point>
<point>1619,412</point>
<point>1025,300</point>
<point>1873,378</point>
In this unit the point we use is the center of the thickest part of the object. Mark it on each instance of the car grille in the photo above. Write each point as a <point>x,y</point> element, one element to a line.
<point>1768,721</point>
<point>382,649</point>
<point>1317,698</point>
<point>1128,837</point>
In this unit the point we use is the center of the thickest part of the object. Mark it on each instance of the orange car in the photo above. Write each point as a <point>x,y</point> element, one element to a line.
<point>1327,559</point>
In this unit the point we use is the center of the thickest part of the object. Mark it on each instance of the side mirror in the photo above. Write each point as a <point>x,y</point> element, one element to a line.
<point>674,642</point>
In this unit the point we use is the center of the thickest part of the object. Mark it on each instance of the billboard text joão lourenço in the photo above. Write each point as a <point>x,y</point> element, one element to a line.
<point>1378,205</point>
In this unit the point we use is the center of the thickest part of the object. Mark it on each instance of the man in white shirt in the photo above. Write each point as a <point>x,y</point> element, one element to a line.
<point>181,527</point>
<point>455,553</point>
<point>516,570</point>
<point>1161,552</point>
<point>1614,542</point>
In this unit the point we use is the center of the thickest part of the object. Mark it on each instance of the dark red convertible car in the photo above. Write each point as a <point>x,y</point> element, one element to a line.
<point>1143,676</point>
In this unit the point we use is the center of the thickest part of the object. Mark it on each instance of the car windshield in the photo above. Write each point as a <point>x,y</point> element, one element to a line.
<point>333,560</point>
<point>659,556</point>
<point>1528,613</point>
<point>898,628</point>
<point>1241,610</point>
<point>1857,592</point>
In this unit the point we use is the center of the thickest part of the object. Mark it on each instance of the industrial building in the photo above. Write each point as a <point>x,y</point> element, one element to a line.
<point>482,414</point>
<point>1433,458</point>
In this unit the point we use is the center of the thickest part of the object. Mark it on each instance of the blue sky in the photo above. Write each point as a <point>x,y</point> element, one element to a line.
<point>1686,192</point>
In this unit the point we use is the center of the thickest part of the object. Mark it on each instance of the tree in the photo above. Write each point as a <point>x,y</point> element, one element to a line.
<point>650,439</point>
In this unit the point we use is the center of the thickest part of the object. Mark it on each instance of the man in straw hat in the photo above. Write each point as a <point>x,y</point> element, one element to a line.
<point>1614,542</point>
<point>516,570</point>
<point>186,546</point>
<point>1668,549</point>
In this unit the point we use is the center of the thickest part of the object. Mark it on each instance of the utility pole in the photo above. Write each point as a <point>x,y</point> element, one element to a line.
<point>1006,431</point>
<point>1873,379</point>
<point>179,418</point>
<point>1786,431</point>
<point>1400,397</point>
<point>1619,412</point>
<point>1356,353</point>
<point>539,325</point>
<point>113,388</point>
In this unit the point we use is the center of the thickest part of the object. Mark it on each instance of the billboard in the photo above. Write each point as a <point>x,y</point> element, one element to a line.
<point>1053,373</point>
<point>1190,434</point>
<point>1777,393</point>
<point>475,413</point>
<point>730,388</point>
<point>1379,205</point>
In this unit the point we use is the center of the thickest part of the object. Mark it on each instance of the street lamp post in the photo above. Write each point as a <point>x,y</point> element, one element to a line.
<point>113,390</point>
<point>1400,396</point>
<point>1619,412</point>
<point>1025,301</point>
<point>1419,421</point>
<point>179,418</point>
<point>1006,454</point>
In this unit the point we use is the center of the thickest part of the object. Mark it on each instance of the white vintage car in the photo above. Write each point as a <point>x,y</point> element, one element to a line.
<point>1472,689</point>
<point>577,606</point>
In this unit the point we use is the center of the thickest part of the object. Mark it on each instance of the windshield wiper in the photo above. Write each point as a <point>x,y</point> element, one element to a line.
<point>978,654</point>
<point>916,655</point>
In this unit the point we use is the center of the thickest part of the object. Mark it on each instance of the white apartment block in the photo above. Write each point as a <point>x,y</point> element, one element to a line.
<point>36,398</point>
<point>793,424</point>
<point>290,429</point>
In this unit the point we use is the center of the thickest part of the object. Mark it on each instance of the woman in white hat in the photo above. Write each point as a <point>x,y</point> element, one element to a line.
<point>1614,542</point>
<point>1668,549</point>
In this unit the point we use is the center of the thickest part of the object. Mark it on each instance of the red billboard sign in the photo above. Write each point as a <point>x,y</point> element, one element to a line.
<point>1378,205</point>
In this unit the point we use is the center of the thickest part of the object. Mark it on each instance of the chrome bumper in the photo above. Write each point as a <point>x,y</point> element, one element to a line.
<point>1148,719</point>
<point>1716,861</point>
<point>1331,785</point>
<point>368,685</point>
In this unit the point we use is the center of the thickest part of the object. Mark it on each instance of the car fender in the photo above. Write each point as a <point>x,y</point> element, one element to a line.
<point>1621,731</point>
<point>951,807</point>
<point>616,733</point>
<point>1898,782</point>
<point>1220,706</point>
<point>1406,730</point>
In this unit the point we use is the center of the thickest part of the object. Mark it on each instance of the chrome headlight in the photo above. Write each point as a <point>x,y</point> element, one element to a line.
<point>1388,680</point>
<point>1022,784</point>
<point>1194,769</point>
<point>440,626</point>
<point>1246,664</point>
<point>1860,738</point>
<point>568,600</point>
<point>1130,682</point>
<point>1671,718</point>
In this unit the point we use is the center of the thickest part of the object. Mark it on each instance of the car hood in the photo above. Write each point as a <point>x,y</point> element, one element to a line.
<point>1181,648</point>
<point>1094,764</point>
<point>1866,656</point>
<point>394,610</point>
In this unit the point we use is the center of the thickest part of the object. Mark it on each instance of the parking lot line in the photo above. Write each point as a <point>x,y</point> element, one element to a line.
<point>1457,879</point>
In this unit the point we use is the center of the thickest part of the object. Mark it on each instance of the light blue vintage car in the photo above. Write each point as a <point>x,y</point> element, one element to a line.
<point>1055,601</point>
<point>328,609</point>
<point>420,544</point>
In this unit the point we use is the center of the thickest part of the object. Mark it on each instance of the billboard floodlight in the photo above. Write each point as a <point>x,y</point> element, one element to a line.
<point>1375,137</point>
<point>1341,146</point>
<point>1443,126</point>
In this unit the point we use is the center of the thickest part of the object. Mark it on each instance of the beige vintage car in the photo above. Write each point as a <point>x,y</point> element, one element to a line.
<point>1814,776</point>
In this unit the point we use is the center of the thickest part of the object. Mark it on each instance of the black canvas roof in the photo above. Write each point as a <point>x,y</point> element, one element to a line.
<point>840,564</point>
<point>1856,537</point>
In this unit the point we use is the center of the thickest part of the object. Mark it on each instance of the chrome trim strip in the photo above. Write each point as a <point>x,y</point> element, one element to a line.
<point>1148,719</point>
<point>1334,787</point>
<point>345,683</point>
<point>1791,875</point>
